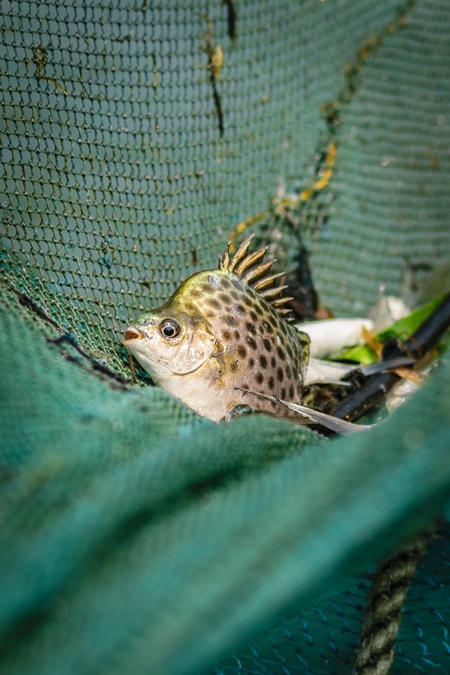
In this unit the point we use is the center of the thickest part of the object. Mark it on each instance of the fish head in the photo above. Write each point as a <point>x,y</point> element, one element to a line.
<point>174,339</point>
<point>223,331</point>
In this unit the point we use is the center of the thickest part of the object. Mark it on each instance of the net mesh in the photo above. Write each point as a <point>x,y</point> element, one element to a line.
<point>323,638</point>
<point>136,139</point>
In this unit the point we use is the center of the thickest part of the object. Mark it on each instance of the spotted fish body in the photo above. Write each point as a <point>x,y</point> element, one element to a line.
<point>223,330</point>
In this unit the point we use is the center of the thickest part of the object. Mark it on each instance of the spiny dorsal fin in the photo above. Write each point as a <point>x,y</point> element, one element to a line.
<point>280,301</point>
<point>271,293</point>
<point>247,266</point>
<point>249,262</point>
<point>267,282</point>
<point>225,263</point>
<point>256,273</point>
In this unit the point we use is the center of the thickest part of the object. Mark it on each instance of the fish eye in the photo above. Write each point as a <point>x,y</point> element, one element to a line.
<point>169,328</point>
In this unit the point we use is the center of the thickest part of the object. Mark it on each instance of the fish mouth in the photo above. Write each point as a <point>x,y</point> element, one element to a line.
<point>132,334</point>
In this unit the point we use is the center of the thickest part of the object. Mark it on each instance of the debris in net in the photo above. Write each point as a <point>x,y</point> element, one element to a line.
<point>155,73</point>
<point>232,18</point>
<point>371,391</point>
<point>396,364</point>
<point>330,336</point>
<point>215,60</point>
<point>401,391</point>
<point>387,310</point>
<point>133,372</point>
<point>68,338</point>
<point>40,59</point>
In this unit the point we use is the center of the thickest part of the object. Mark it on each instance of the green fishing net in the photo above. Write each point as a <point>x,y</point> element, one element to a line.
<point>137,137</point>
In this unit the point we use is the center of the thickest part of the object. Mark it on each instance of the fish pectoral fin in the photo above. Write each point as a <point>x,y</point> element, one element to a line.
<point>341,427</point>
<point>219,349</point>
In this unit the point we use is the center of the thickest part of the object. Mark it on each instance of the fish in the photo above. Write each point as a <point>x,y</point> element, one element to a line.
<point>223,334</point>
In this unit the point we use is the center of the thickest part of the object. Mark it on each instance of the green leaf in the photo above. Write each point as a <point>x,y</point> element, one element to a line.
<point>403,329</point>
<point>361,354</point>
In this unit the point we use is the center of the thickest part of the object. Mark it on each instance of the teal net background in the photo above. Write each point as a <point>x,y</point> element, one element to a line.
<point>136,537</point>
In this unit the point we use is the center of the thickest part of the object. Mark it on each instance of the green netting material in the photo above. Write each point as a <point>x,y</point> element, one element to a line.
<point>134,536</point>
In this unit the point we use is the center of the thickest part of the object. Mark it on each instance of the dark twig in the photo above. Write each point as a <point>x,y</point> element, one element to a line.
<point>40,59</point>
<point>67,337</point>
<point>232,18</point>
<point>133,371</point>
<point>209,49</point>
<point>96,365</point>
<point>27,302</point>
